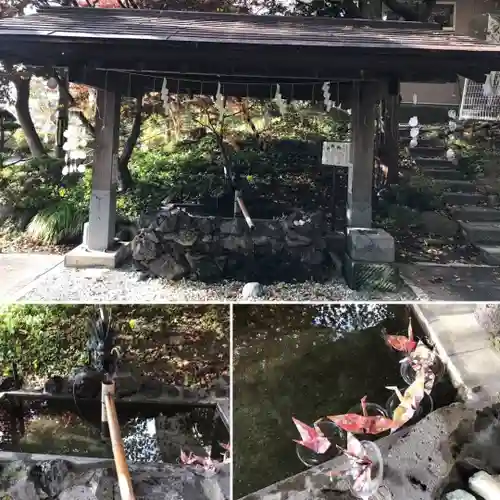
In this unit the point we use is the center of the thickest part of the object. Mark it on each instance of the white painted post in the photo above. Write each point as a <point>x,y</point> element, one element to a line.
<point>101,228</point>
<point>359,191</point>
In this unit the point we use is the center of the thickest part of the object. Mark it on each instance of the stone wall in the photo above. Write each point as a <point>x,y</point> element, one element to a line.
<point>70,479</point>
<point>174,244</point>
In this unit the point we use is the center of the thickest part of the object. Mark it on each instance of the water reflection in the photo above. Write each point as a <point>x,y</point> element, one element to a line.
<point>150,432</point>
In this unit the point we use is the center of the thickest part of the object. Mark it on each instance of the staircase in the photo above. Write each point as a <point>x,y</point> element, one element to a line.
<point>479,224</point>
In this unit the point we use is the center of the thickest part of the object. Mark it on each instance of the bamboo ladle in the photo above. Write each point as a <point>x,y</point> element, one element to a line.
<point>124,479</point>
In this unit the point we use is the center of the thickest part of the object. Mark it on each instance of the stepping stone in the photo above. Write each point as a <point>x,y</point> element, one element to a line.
<point>463,198</point>
<point>475,214</point>
<point>490,254</point>
<point>459,186</point>
<point>428,152</point>
<point>427,142</point>
<point>433,162</point>
<point>442,173</point>
<point>481,232</point>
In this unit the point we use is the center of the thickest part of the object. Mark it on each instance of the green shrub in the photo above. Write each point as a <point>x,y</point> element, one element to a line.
<point>42,340</point>
<point>61,222</point>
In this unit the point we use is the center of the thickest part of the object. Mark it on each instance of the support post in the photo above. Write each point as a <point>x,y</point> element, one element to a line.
<point>370,253</point>
<point>359,192</point>
<point>101,229</point>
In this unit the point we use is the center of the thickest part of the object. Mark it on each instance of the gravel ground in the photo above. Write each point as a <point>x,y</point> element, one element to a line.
<point>124,285</point>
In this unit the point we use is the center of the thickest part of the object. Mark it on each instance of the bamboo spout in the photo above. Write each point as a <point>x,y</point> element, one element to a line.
<point>124,479</point>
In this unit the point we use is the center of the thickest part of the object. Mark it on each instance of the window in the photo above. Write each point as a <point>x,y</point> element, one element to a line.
<point>444,14</point>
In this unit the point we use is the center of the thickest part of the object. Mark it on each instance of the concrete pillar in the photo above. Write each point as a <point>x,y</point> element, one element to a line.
<point>101,228</point>
<point>359,191</point>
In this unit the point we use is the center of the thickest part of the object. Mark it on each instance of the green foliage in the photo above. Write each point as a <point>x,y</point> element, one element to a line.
<point>51,339</point>
<point>18,143</point>
<point>30,186</point>
<point>307,125</point>
<point>58,223</point>
<point>54,208</point>
<point>418,192</point>
<point>43,340</point>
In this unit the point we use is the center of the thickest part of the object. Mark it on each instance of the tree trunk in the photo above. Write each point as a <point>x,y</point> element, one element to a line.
<point>62,118</point>
<point>24,116</point>
<point>391,139</point>
<point>126,180</point>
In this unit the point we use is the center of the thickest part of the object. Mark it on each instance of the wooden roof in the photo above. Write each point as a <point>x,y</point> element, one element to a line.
<point>214,45</point>
<point>201,27</point>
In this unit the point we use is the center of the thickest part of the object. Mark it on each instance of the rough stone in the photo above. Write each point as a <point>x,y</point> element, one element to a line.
<point>186,238</point>
<point>144,247</point>
<point>488,316</point>
<point>252,290</point>
<point>417,462</point>
<point>459,495</point>
<point>170,268</point>
<point>370,245</point>
<point>92,482</point>
<point>437,223</point>
<point>294,239</point>
<point>177,244</point>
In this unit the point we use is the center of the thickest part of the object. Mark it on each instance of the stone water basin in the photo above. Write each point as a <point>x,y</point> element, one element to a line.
<point>307,362</point>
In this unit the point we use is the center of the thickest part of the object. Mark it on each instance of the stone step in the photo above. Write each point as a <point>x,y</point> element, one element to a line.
<point>422,151</point>
<point>475,214</point>
<point>481,232</point>
<point>490,254</point>
<point>431,142</point>
<point>456,186</point>
<point>442,173</point>
<point>464,198</point>
<point>432,162</point>
<point>423,139</point>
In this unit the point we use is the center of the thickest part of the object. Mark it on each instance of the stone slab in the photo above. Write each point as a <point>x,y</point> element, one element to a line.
<point>452,282</point>
<point>428,151</point>
<point>362,275</point>
<point>464,346</point>
<point>490,254</point>
<point>460,185</point>
<point>463,198</point>
<point>18,272</point>
<point>475,214</point>
<point>434,162</point>
<point>370,245</point>
<point>416,460</point>
<point>442,173</point>
<point>481,232</point>
<point>82,257</point>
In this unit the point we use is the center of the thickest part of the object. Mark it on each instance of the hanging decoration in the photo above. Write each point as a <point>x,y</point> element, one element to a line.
<point>280,102</point>
<point>75,147</point>
<point>452,125</point>
<point>165,97</point>
<point>414,131</point>
<point>219,101</point>
<point>267,118</point>
<point>487,86</point>
<point>327,96</point>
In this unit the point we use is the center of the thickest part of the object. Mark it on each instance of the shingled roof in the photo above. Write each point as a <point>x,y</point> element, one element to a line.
<point>279,47</point>
<point>201,27</point>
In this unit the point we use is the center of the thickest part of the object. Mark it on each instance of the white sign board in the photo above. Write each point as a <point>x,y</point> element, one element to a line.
<point>337,154</point>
